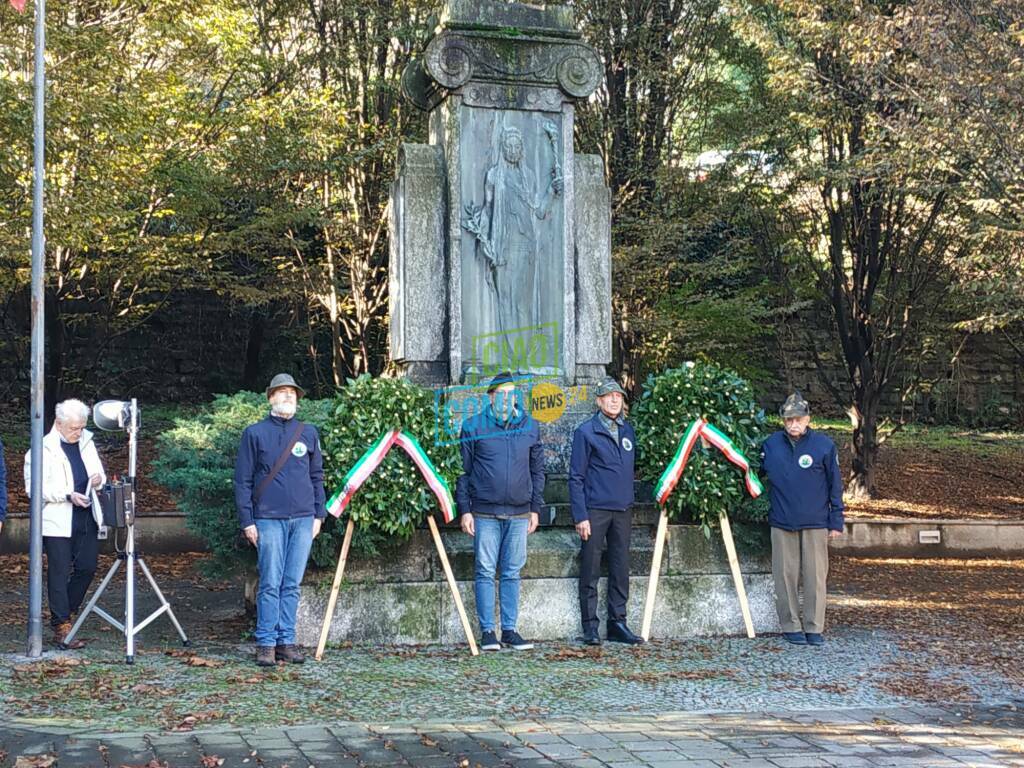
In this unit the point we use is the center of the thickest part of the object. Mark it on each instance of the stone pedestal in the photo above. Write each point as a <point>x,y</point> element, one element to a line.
<point>405,599</point>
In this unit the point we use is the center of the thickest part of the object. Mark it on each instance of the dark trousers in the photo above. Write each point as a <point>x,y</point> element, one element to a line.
<point>70,565</point>
<point>605,524</point>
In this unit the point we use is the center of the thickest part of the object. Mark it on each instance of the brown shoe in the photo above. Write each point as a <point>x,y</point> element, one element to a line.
<point>290,653</point>
<point>265,656</point>
<point>60,632</point>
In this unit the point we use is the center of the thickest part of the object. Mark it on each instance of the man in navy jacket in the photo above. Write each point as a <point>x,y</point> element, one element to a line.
<point>600,497</point>
<point>499,496</point>
<point>806,494</point>
<point>280,514</point>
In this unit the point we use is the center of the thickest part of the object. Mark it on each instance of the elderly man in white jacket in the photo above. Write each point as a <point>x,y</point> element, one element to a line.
<point>71,522</point>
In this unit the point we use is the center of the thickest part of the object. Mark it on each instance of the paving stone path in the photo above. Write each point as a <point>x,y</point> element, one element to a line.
<point>931,737</point>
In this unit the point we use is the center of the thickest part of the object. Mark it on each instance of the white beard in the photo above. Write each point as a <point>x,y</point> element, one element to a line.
<point>283,410</point>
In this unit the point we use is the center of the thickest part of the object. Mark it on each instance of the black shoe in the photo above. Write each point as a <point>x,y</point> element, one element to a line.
<point>796,638</point>
<point>618,632</point>
<point>814,638</point>
<point>513,639</point>
<point>489,642</point>
<point>590,637</point>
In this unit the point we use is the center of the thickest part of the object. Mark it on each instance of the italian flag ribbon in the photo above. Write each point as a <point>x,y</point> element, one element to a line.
<point>372,459</point>
<point>702,429</point>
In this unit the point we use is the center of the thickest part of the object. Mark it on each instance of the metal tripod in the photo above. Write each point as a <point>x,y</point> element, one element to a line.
<point>128,556</point>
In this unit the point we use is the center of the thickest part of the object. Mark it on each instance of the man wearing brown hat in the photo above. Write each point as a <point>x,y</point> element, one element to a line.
<point>279,492</point>
<point>806,496</point>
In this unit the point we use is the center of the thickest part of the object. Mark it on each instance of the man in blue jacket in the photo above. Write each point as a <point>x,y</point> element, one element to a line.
<point>499,496</point>
<point>600,497</point>
<point>806,495</point>
<point>279,492</point>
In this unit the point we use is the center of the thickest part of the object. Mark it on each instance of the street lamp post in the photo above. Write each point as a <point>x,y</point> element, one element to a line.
<point>35,546</point>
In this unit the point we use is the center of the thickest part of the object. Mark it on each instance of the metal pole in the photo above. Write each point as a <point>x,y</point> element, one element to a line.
<point>129,549</point>
<point>35,542</point>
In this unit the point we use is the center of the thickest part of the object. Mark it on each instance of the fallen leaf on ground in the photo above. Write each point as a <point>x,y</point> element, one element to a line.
<point>35,761</point>
<point>199,661</point>
<point>211,761</point>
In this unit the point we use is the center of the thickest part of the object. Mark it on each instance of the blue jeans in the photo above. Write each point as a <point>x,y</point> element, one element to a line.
<point>283,548</point>
<point>500,547</point>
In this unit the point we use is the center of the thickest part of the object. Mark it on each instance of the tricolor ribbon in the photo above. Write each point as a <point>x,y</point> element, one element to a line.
<point>372,459</point>
<point>701,429</point>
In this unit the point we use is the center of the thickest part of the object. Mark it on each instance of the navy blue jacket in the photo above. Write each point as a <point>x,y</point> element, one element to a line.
<point>502,469</point>
<point>3,485</point>
<point>806,490</point>
<point>298,489</point>
<point>600,470</point>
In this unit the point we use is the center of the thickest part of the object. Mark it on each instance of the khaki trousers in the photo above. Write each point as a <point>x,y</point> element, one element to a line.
<point>800,556</point>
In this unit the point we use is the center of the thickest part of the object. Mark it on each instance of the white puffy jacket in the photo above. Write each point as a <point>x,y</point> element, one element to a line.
<point>58,481</point>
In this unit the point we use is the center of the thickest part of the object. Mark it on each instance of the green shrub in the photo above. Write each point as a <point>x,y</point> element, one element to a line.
<point>196,462</point>
<point>709,485</point>
<point>395,500</point>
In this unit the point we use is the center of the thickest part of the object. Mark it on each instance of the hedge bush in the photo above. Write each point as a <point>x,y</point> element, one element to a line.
<point>670,402</point>
<point>196,462</point>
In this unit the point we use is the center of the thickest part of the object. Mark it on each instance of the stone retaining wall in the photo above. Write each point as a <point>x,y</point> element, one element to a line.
<point>403,597</point>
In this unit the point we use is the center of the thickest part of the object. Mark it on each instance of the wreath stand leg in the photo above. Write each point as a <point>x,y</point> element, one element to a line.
<point>333,600</point>
<point>652,582</point>
<point>452,585</point>
<point>737,577</point>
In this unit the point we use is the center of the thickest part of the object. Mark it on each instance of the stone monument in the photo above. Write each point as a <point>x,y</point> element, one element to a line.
<point>501,259</point>
<point>500,232</point>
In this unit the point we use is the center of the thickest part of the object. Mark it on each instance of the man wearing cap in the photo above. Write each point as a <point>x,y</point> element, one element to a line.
<point>600,497</point>
<point>499,495</point>
<point>806,495</point>
<point>279,493</point>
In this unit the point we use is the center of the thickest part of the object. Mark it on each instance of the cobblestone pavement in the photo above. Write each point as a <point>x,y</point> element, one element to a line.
<point>931,737</point>
<point>218,685</point>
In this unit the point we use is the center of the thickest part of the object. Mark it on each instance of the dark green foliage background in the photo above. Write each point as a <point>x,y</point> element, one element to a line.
<point>710,484</point>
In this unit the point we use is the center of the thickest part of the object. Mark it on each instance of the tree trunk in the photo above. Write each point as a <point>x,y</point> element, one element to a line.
<point>864,445</point>
<point>54,374</point>
<point>253,349</point>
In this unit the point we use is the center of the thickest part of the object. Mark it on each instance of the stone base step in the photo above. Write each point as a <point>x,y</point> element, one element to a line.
<point>554,553</point>
<point>424,612</point>
<point>901,537</point>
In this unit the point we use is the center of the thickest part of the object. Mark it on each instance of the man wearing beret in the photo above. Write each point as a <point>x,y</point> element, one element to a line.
<point>806,495</point>
<point>600,497</point>
<point>279,493</point>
